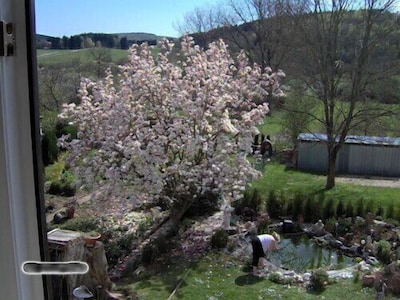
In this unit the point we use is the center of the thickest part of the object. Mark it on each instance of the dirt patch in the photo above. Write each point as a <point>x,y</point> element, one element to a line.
<point>371,181</point>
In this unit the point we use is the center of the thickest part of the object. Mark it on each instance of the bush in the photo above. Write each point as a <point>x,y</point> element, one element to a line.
<point>318,281</point>
<point>369,208</point>
<point>49,148</point>
<point>298,207</point>
<point>349,210</point>
<point>390,212</point>
<point>144,225</point>
<point>313,210</point>
<point>205,205</point>
<point>81,224</point>
<point>274,206</point>
<point>360,210</point>
<point>148,254</point>
<point>344,226</point>
<point>60,178</point>
<point>383,252</point>
<point>380,211</point>
<point>256,200</point>
<point>340,210</point>
<point>62,128</point>
<point>219,239</point>
<point>62,189</point>
<point>329,210</point>
<point>289,207</point>
<point>275,277</point>
<point>263,223</point>
<point>252,199</point>
<point>330,225</point>
<point>152,250</point>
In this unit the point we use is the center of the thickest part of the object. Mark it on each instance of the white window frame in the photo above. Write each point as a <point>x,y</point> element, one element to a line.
<point>22,233</point>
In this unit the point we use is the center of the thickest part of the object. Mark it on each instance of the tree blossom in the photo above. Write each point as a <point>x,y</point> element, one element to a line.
<point>175,126</point>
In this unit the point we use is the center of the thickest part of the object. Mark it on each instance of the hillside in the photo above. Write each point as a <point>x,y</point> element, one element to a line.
<point>108,40</point>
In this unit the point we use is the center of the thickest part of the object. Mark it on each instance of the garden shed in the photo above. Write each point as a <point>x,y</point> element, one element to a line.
<point>360,155</point>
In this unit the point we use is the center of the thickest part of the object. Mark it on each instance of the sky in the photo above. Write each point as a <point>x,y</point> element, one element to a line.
<point>69,17</point>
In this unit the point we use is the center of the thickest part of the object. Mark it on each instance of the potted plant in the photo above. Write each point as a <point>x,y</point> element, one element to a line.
<point>91,237</point>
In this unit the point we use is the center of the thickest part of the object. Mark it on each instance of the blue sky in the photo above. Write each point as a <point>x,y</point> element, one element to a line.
<point>68,17</point>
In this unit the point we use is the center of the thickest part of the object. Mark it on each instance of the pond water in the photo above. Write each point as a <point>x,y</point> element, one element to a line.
<point>299,253</point>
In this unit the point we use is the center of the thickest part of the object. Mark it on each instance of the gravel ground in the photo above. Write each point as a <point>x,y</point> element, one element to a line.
<point>371,181</point>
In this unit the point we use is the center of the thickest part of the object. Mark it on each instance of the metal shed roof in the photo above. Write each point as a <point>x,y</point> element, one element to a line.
<point>352,139</point>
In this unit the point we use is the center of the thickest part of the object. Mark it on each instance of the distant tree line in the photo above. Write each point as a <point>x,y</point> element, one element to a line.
<point>88,40</point>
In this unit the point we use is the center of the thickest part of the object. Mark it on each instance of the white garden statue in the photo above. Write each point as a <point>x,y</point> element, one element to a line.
<point>227,209</point>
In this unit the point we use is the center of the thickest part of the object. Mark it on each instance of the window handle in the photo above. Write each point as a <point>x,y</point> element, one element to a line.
<point>7,39</point>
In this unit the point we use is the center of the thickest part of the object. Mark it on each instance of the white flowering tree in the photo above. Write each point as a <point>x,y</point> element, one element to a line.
<point>173,127</point>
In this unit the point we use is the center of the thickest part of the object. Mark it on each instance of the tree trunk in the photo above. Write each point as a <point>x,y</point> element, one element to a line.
<point>163,230</point>
<point>330,179</point>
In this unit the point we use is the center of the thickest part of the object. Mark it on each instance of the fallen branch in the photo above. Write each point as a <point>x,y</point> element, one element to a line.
<point>178,285</point>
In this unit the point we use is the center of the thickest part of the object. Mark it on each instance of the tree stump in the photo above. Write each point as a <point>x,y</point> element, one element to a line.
<point>96,279</point>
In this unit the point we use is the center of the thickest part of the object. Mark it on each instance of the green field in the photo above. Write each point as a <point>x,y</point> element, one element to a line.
<point>49,57</point>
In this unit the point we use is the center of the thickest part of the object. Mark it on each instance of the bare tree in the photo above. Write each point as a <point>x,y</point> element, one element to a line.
<point>58,85</point>
<point>201,19</point>
<point>101,59</point>
<point>339,82</point>
<point>261,28</point>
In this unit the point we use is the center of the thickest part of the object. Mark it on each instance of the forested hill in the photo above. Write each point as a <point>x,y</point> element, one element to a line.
<point>288,42</point>
<point>87,40</point>
<point>277,35</point>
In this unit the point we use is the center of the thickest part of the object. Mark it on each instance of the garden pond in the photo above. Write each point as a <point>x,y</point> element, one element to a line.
<point>299,253</point>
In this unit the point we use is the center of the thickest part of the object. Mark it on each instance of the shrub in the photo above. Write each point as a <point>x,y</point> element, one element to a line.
<point>275,277</point>
<point>64,186</point>
<point>329,210</point>
<point>61,179</point>
<point>391,213</point>
<point>162,244</point>
<point>312,209</point>
<point>144,225</point>
<point>330,225</point>
<point>148,254</point>
<point>340,210</point>
<point>63,128</point>
<point>256,200</point>
<point>344,226</point>
<point>380,211</point>
<point>113,253</point>
<point>83,224</point>
<point>318,281</point>
<point>289,207</point>
<point>349,210</point>
<point>383,251</point>
<point>61,188</point>
<point>284,203</point>
<point>298,206</point>
<point>359,210</point>
<point>219,239</point>
<point>369,208</point>
<point>274,206</point>
<point>206,204</point>
<point>252,199</point>
<point>263,223</point>
<point>49,148</point>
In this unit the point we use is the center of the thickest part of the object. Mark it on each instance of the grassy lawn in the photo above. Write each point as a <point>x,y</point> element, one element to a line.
<point>217,276</point>
<point>289,182</point>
